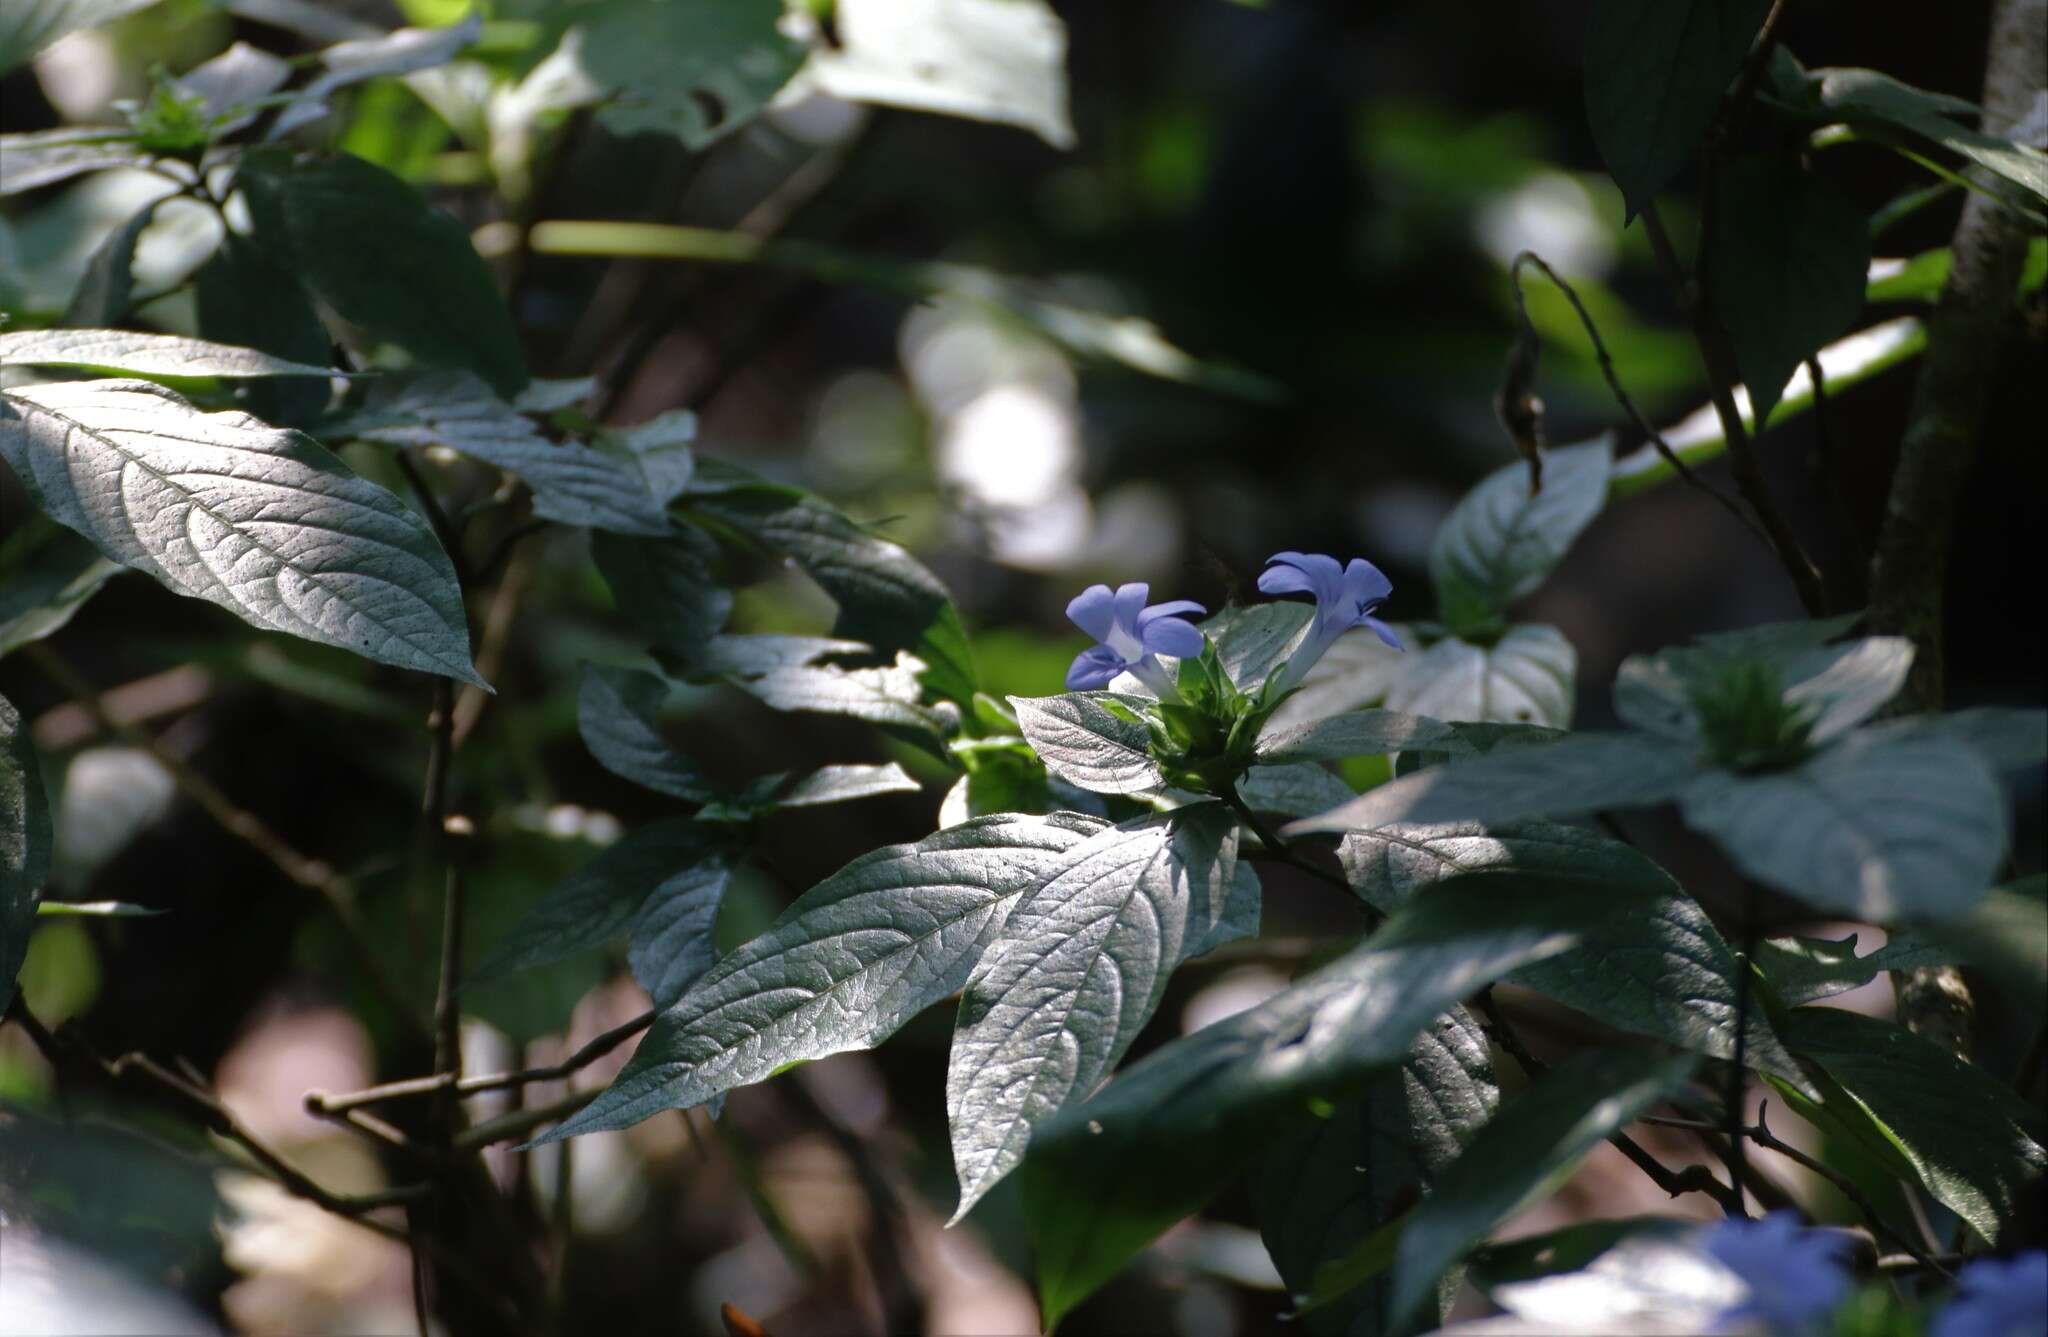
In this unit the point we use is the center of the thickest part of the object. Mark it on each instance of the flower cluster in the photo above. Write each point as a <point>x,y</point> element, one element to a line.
<point>1131,635</point>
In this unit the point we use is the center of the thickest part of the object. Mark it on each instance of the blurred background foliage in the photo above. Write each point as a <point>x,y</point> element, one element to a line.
<point>1260,303</point>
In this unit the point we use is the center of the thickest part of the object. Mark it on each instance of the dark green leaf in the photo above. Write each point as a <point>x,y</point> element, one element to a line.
<point>617,711</point>
<point>108,284</point>
<point>47,572</point>
<point>1575,776</point>
<point>1975,1145</point>
<point>1867,98</point>
<point>145,354</point>
<point>1501,542</point>
<point>853,959</point>
<point>245,297</point>
<point>1078,969</point>
<point>24,845</point>
<point>1789,255</point>
<point>572,483</point>
<point>1357,733</point>
<point>259,520</point>
<point>669,589</point>
<point>1876,828</point>
<point>885,596</point>
<point>1532,1145</point>
<point>603,899</point>
<point>1319,1192</point>
<point>2008,738</point>
<point>1655,74</point>
<point>1083,742</point>
<point>1104,1177</point>
<point>1659,968</point>
<point>369,246</point>
<point>672,945</point>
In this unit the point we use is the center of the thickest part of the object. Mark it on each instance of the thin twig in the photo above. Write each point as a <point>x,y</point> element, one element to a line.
<point>518,1123</point>
<point>1281,850</point>
<point>1760,1133</point>
<point>299,869</point>
<point>451,538</point>
<point>1722,377</point>
<point>1692,1179</point>
<point>1621,395</point>
<point>1738,1073</point>
<point>319,1102</point>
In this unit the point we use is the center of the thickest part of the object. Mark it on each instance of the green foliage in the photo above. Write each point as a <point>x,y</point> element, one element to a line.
<point>221,507</point>
<point>1973,1144</point>
<point>1788,254</point>
<point>24,844</point>
<point>367,244</point>
<point>183,420</point>
<point>1655,75</point>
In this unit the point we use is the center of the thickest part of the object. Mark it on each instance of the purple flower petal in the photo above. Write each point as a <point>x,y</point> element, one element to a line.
<point>1094,667</point>
<point>1171,636</point>
<point>1302,573</point>
<point>1093,611</point>
<point>1176,608</point>
<point>1130,603</point>
<point>1385,633</point>
<point>1365,584</point>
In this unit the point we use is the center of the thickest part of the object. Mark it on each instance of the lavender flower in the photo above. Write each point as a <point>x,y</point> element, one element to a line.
<point>1792,1272</point>
<point>1130,636</point>
<point>1346,597</point>
<point>1998,1298</point>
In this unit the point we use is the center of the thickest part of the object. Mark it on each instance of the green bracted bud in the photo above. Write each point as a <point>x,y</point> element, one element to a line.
<point>1745,720</point>
<point>170,121</point>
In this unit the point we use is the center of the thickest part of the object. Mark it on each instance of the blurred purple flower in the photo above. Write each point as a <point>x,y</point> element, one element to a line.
<point>1346,597</point>
<point>1998,1298</point>
<point>1130,635</point>
<point>1793,1273</point>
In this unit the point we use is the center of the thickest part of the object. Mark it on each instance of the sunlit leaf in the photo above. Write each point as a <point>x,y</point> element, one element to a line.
<point>259,520</point>
<point>1501,541</point>
<point>845,966</point>
<point>571,482</point>
<point>1078,969</point>
<point>144,354</point>
<point>992,60</point>
<point>1082,741</point>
